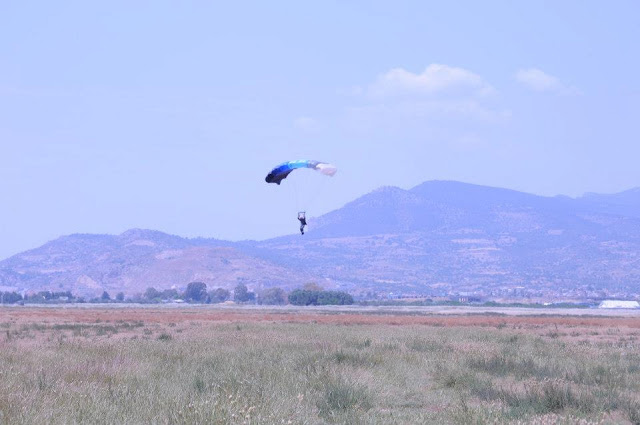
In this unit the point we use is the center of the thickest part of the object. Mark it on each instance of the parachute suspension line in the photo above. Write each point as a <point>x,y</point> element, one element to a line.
<point>310,186</point>
<point>299,186</point>
<point>322,185</point>
<point>312,189</point>
<point>294,185</point>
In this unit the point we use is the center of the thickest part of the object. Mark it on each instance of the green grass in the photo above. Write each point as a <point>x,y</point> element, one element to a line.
<point>266,373</point>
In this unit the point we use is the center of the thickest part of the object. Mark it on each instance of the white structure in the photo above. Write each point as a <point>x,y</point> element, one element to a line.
<point>619,304</point>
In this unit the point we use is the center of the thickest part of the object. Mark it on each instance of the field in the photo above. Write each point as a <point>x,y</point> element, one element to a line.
<point>311,366</point>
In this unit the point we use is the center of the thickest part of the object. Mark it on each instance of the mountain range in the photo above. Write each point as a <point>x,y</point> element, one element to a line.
<point>438,238</point>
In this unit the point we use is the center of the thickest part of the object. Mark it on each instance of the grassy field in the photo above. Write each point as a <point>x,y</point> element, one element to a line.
<point>252,367</point>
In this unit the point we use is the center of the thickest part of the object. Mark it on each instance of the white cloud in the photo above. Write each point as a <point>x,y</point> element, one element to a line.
<point>442,103</point>
<point>538,80</point>
<point>436,79</point>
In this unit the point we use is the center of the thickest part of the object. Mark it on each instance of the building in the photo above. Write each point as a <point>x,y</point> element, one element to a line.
<point>619,304</point>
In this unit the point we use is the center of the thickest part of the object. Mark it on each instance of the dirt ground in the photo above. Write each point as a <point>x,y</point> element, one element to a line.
<point>572,327</point>
<point>177,315</point>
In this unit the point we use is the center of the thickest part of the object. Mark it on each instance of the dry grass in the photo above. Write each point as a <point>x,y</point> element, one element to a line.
<point>201,366</point>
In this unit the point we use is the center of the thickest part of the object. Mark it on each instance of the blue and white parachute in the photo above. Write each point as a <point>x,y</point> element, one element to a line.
<point>283,170</point>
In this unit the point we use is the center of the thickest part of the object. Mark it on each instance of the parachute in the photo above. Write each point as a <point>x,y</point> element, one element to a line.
<point>283,170</point>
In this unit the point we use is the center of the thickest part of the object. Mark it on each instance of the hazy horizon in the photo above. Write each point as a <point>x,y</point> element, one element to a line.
<point>168,117</point>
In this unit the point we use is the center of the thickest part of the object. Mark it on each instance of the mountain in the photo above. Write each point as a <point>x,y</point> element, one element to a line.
<point>463,237</point>
<point>625,203</point>
<point>135,260</point>
<point>440,237</point>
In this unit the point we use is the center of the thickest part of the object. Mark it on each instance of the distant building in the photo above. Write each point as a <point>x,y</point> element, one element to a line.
<point>619,304</point>
<point>466,299</point>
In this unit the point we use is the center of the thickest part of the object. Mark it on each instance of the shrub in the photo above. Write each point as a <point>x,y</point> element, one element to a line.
<point>340,396</point>
<point>164,337</point>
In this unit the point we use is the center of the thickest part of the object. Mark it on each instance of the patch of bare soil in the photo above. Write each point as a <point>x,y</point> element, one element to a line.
<point>570,328</point>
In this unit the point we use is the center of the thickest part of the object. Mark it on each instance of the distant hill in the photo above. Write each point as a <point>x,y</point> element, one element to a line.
<point>438,238</point>
<point>463,237</point>
<point>136,260</point>
<point>625,203</point>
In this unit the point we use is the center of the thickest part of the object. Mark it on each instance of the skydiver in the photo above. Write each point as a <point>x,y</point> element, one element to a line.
<point>303,221</point>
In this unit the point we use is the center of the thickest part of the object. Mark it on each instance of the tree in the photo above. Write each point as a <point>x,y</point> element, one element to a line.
<point>151,294</point>
<point>334,298</point>
<point>241,294</point>
<point>303,297</point>
<point>273,296</point>
<point>120,297</point>
<point>196,291</point>
<point>105,296</point>
<point>34,299</point>
<point>219,295</point>
<point>10,297</point>
<point>169,294</point>
<point>47,295</point>
<point>66,295</point>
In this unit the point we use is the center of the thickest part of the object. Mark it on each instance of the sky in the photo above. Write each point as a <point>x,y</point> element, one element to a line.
<point>168,115</point>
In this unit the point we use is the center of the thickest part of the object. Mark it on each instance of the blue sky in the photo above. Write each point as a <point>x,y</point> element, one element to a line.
<point>168,115</point>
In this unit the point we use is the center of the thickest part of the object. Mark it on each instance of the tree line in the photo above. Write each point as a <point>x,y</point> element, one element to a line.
<point>196,292</point>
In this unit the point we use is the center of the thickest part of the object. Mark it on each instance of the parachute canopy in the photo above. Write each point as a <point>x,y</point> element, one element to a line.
<point>282,171</point>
